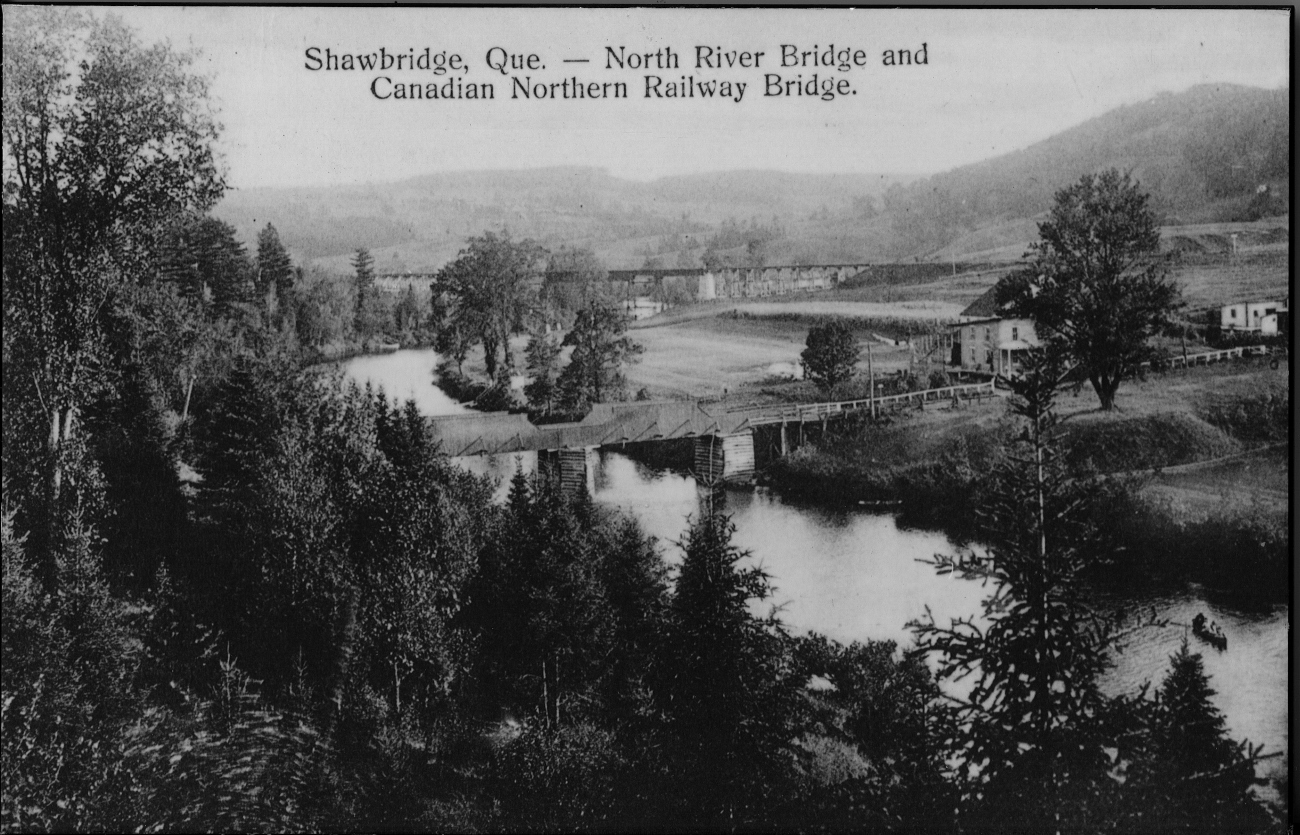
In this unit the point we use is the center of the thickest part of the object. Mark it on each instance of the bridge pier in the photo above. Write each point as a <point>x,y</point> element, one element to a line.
<point>573,468</point>
<point>725,458</point>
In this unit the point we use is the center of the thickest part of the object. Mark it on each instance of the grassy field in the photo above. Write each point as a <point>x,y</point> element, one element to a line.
<point>1009,240</point>
<point>1167,420</point>
<point>823,303</point>
<point>1257,478</point>
<point>1208,280</point>
<point>1205,267</point>
<point>740,358</point>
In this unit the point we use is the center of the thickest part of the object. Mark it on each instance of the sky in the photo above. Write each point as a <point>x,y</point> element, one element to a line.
<point>993,82</point>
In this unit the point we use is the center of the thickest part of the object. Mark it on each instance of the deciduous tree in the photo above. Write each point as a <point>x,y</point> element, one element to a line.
<point>831,355</point>
<point>1095,285</point>
<point>489,290</point>
<point>572,273</point>
<point>103,138</point>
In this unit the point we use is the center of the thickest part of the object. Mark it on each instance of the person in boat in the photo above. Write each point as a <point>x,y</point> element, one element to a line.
<point>1198,622</point>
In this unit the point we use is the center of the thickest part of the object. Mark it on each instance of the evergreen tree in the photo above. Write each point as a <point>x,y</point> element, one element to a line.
<point>363,266</point>
<point>601,349</point>
<point>69,664</point>
<point>1193,778</point>
<point>543,355</point>
<point>274,269</point>
<point>406,314</point>
<point>727,688</point>
<point>541,606</point>
<point>1030,739</point>
<point>146,519</point>
<point>203,257</point>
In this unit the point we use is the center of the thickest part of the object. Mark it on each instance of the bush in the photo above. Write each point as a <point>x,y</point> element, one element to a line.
<point>1262,418</point>
<point>831,355</point>
<point>1104,444</point>
<point>939,488</point>
<point>1241,549</point>
<point>563,779</point>
<point>210,769</point>
<point>465,389</point>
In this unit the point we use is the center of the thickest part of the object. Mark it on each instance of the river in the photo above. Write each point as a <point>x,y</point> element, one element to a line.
<point>857,575</point>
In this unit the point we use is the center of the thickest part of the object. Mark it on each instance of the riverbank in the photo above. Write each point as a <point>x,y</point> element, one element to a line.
<point>1178,526</point>
<point>857,574</point>
<point>346,350</point>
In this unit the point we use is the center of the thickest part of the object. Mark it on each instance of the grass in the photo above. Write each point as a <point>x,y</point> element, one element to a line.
<point>747,357</point>
<point>1178,522</point>
<point>1238,544</point>
<point>1108,444</point>
<point>822,303</point>
<point>1259,478</point>
<point>932,461</point>
<point>1215,280</point>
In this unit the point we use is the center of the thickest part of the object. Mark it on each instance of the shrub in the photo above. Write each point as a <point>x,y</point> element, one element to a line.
<point>831,355</point>
<point>1261,418</point>
<point>563,779</point>
<point>1097,444</point>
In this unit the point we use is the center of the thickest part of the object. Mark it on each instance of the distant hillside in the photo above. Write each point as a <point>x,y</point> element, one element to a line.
<point>1204,155</point>
<point>1212,154</point>
<point>422,222</point>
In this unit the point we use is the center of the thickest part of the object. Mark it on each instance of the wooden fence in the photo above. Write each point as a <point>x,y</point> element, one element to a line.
<point>1207,357</point>
<point>759,414</point>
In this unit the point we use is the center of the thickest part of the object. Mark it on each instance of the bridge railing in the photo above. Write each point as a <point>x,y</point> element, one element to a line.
<point>779,413</point>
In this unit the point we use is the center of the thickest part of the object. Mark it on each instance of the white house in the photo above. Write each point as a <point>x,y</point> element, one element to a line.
<point>1261,317</point>
<point>988,339</point>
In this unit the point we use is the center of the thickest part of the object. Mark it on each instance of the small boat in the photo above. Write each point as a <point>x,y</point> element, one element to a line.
<point>1212,635</point>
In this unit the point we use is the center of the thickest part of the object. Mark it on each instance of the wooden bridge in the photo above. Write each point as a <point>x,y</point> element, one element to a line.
<point>724,436</point>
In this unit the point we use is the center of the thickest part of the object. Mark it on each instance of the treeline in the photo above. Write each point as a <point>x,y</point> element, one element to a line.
<point>211,280</point>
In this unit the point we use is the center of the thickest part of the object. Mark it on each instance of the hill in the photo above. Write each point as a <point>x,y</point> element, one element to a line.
<point>420,223</point>
<point>1213,154</point>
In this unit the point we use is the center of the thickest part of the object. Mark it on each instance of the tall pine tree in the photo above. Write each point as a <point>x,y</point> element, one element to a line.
<point>1032,734</point>
<point>727,687</point>
<point>363,265</point>
<point>274,269</point>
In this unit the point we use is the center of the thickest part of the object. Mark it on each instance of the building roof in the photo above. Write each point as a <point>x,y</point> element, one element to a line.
<point>986,306</point>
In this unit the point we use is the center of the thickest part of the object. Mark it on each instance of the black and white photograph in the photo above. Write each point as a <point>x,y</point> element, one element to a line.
<point>646,419</point>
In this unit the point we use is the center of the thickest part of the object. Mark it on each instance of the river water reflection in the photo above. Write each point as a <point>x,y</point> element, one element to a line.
<point>856,575</point>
